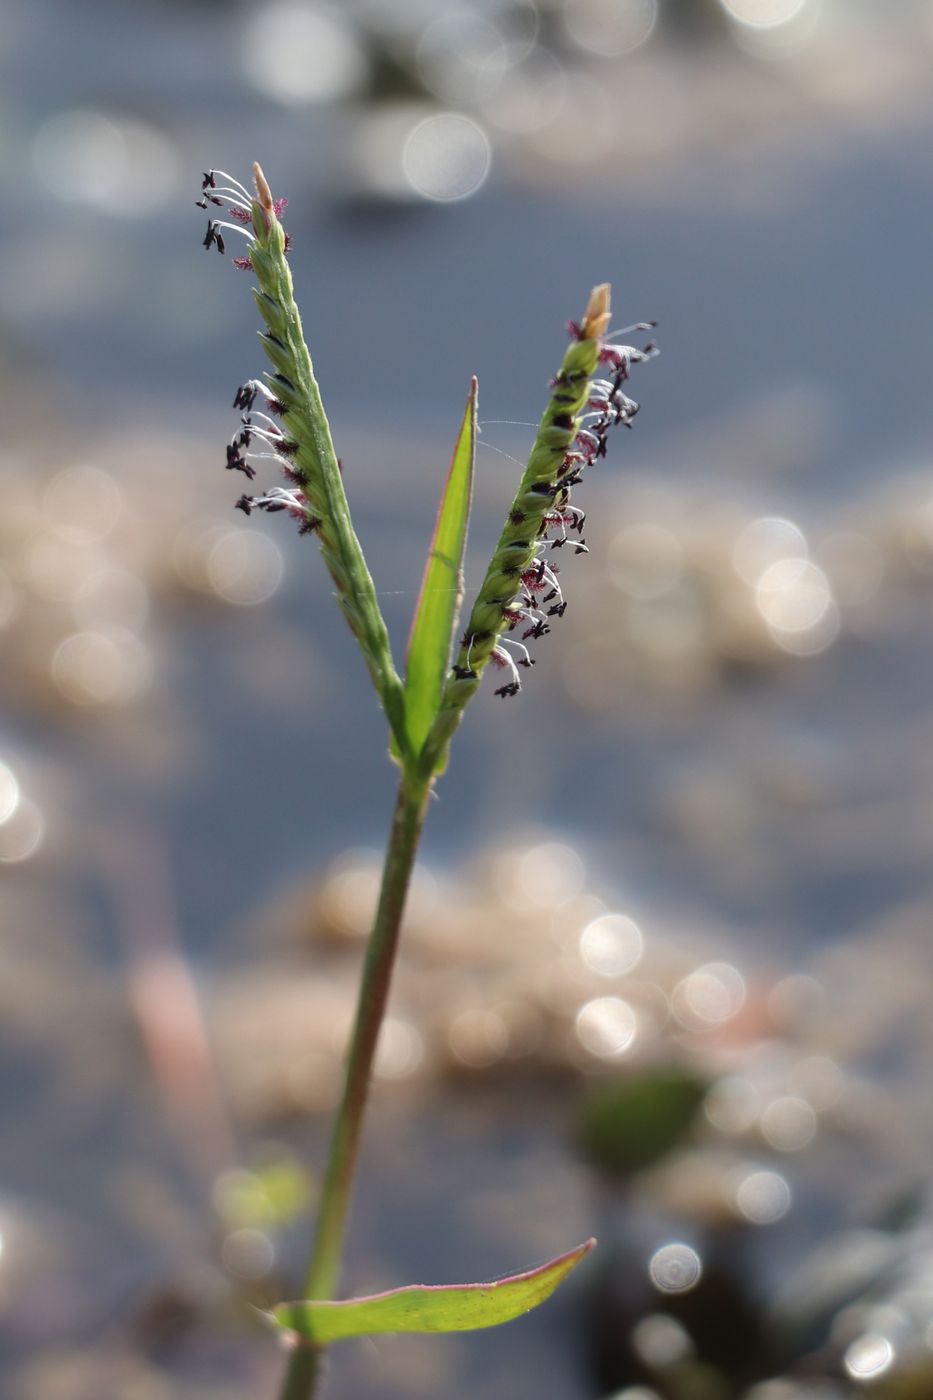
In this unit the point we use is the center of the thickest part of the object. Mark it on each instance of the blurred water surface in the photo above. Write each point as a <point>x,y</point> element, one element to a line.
<point>727,738</point>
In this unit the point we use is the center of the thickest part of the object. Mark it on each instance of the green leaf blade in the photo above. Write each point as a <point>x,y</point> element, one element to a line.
<point>429,1308</point>
<point>438,608</point>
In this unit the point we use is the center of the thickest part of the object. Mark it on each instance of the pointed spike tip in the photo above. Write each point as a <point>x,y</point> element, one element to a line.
<point>263,192</point>
<point>595,322</point>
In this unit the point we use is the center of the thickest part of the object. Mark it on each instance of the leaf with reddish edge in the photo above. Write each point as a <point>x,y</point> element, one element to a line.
<point>461,1307</point>
<point>438,609</point>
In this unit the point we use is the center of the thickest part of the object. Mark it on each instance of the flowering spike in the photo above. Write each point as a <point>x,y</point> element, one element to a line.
<point>303,449</point>
<point>519,583</point>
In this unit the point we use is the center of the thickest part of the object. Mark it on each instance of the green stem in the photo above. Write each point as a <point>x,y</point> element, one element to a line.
<point>411,803</point>
<point>304,1370</point>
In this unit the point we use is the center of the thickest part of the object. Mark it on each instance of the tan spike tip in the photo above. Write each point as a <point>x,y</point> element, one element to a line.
<point>598,313</point>
<point>263,192</point>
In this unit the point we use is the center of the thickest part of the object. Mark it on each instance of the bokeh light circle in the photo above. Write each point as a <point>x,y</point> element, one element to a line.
<point>461,57</point>
<point>298,52</point>
<point>533,96</point>
<point>675,1268</point>
<point>788,1123</point>
<point>766,541</point>
<point>22,834</point>
<point>247,1253</point>
<point>78,154</point>
<point>610,28</point>
<point>763,14</point>
<point>709,996</point>
<point>399,1049</point>
<point>82,502</point>
<point>762,1197</point>
<point>446,157</point>
<point>868,1356</point>
<point>606,1027</point>
<point>9,793</point>
<point>103,668</point>
<point>244,567</point>
<point>113,160</point>
<point>645,560</point>
<point>611,945</point>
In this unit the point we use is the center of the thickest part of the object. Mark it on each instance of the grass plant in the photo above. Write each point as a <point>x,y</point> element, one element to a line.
<point>519,600</point>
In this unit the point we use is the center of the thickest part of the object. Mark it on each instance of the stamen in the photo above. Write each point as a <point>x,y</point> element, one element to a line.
<point>229,196</point>
<point>622,356</point>
<point>635,326</point>
<point>258,413</point>
<point>211,180</point>
<point>533,577</point>
<point>586,439</point>
<point>276,457</point>
<point>526,657</point>
<point>235,228</point>
<point>279,498</point>
<point>549,578</point>
<point>246,396</point>
<point>503,660</point>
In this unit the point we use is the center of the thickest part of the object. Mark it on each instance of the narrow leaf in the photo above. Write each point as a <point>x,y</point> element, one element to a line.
<point>438,609</point>
<point>423,1308</point>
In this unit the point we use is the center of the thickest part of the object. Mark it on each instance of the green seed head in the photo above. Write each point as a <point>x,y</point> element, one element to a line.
<point>521,592</point>
<point>303,446</point>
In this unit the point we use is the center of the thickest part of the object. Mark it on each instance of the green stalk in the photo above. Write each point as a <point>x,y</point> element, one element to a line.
<point>323,1271</point>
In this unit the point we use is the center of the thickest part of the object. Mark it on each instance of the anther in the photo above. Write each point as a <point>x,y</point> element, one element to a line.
<point>237,462</point>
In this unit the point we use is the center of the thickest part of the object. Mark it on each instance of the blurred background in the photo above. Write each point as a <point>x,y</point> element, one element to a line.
<point>668,959</point>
